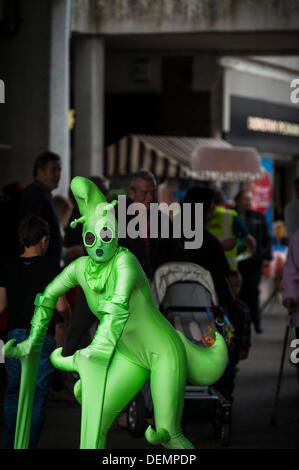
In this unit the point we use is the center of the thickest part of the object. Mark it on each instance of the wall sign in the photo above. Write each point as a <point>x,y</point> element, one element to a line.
<point>266,126</point>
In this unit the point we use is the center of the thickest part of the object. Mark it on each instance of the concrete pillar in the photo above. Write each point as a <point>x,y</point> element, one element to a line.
<point>89,106</point>
<point>34,66</point>
<point>24,128</point>
<point>59,88</point>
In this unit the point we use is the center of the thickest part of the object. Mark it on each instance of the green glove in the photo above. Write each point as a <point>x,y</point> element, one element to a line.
<point>39,325</point>
<point>28,352</point>
<point>109,330</point>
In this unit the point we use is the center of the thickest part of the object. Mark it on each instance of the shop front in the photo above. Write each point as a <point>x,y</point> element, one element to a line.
<point>258,112</point>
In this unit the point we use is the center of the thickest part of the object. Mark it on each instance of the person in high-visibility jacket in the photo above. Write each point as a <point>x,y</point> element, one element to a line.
<point>227,226</point>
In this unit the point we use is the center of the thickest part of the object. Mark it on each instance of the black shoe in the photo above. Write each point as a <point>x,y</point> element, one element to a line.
<point>258,329</point>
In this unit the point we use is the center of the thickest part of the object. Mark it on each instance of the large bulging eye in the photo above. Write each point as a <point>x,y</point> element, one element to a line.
<point>89,239</point>
<point>106,234</point>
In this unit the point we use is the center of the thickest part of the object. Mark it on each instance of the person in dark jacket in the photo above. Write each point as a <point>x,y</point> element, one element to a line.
<point>37,199</point>
<point>251,268</point>
<point>210,255</point>
<point>151,251</point>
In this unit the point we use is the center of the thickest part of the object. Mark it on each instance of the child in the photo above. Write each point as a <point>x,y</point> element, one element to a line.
<point>21,278</point>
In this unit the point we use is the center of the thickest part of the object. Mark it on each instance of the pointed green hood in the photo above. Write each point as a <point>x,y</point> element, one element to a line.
<point>100,232</point>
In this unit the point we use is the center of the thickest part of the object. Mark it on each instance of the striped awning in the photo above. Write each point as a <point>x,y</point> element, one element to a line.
<point>165,157</point>
<point>226,164</point>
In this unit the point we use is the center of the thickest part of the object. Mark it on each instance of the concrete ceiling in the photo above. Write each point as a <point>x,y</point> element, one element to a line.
<point>276,43</point>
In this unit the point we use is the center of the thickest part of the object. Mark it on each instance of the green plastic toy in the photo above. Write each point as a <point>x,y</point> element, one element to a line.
<point>133,342</point>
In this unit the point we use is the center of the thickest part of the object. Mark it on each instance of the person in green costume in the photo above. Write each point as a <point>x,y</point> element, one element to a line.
<point>133,342</point>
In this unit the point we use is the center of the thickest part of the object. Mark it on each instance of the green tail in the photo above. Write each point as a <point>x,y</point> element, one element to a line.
<point>205,365</point>
<point>156,437</point>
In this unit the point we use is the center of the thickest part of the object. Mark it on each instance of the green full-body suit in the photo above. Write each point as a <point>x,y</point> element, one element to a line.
<point>133,342</point>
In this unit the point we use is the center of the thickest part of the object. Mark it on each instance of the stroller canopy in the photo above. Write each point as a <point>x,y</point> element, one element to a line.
<point>181,272</point>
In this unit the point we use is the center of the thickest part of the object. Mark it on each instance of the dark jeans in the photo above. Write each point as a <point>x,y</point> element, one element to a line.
<point>251,274</point>
<point>13,375</point>
<point>226,384</point>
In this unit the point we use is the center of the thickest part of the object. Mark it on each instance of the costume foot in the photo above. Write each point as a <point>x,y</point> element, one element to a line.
<point>156,437</point>
<point>179,442</point>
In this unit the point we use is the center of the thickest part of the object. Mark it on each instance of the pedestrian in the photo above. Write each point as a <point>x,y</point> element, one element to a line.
<point>251,268</point>
<point>211,253</point>
<point>227,226</point>
<point>37,199</point>
<point>21,278</point>
<point>240,318</point>
<point>290,278</point>
<point>291,211</point>
<point>151,251</point>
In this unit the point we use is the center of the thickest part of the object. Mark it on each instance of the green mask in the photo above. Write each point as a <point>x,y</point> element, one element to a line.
<point>99,225</point>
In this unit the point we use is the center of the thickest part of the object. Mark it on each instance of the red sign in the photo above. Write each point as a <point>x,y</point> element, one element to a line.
<point>262,193</point>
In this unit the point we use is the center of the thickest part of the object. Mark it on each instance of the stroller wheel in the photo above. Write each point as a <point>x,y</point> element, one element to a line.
<point>226,427</point>
<point>136,414</point>
<point>225,434</point>
<point>218,420</point>
<point>222,424</point>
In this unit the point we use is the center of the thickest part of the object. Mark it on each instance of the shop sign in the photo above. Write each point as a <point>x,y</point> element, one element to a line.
<point>266,126</point>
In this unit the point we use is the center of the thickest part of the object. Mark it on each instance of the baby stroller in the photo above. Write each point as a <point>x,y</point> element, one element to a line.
<point>185,294</point>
